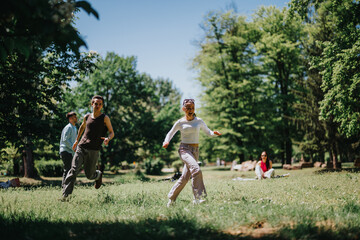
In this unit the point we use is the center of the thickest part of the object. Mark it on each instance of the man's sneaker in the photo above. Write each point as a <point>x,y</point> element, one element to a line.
<point>198,201</point>
<point>64,198</point>
<point>98,181</point>
<point>170,203</point>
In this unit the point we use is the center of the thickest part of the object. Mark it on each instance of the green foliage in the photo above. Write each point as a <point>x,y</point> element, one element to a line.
<point>154,166</point>
<point>247,70</point>
<point>280,52</point>
<point>141,109</point>
<point>342,87</point>
<point>125,165</point>
<point>39,55</point>
<point>177,165</point>
<point>28,24</point>
<point>338,61</point>
<point>49,168</point>
<point>329,109</point>
<point>229,76</point>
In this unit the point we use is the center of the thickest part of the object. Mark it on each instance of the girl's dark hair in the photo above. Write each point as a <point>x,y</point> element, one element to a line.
<point>267,159</point>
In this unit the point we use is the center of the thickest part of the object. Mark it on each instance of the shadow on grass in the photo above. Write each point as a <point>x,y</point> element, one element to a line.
<point>304,231</point>
<point>148,229</point>
<point>53,183</point>
<point>25,228</point>
<point>326,170</point>
<point>46,182</point>
<point>221,169</point>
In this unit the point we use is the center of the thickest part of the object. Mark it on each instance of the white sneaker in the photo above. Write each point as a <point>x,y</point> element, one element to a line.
<point>198,201</point>
<point>170,203</point>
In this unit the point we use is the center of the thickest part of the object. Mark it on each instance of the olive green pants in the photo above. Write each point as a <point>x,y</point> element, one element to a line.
<point>85,157</point>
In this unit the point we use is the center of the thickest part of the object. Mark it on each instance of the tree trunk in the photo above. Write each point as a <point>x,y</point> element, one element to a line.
<point>312,157</point>
<point>29,169</point>
<point>331,128</point>
<point>335,163</point>
<point>242,157</point>
<point>288,151</point>
<point>16,164</point>
<point>322,156</point>
<point>282,154</point>
<point>16,168</point>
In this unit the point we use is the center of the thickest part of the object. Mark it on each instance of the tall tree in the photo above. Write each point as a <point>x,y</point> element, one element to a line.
<point>235,99</point>
<point>39,55</point>
<point>338,65</point>
<point>280,51</point>
<point>26,25</point>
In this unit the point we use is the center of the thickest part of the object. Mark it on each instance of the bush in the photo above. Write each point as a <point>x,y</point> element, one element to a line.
<point>139,175</point>
<point>153,167</point>
<point>177,165</point>
<point>114,168</point>
<point>50,168</point>
<point>125,165</point>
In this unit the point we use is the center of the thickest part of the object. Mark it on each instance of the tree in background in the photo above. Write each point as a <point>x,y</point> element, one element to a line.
<point>248,70</point>
<point>236,100</point>
<point>27,25</point>
<point>334,27</point>
<point>280,53</point>
<point>39,55</point>
<point>141,109</point>
<point>315,142</point>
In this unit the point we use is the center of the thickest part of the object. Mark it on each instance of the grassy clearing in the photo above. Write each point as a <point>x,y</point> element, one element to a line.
<point>306,205</point>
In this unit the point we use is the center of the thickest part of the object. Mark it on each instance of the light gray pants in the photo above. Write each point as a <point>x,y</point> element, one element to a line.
<point>82,156</point>
<point>189,155</point>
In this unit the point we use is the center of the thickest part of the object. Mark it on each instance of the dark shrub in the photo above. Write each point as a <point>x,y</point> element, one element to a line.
<point>154,166</point>
<point>49,168</point>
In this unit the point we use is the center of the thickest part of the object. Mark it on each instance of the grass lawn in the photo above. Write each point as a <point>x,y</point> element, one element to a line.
<point>306,205</point>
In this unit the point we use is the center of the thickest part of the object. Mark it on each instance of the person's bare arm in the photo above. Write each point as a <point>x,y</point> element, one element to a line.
<point>110,130</point>
<point>80,132</point>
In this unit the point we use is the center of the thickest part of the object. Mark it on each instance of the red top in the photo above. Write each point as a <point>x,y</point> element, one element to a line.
<point>263,166</point>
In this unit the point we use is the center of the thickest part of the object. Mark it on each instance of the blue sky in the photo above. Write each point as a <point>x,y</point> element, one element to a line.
<point>160,33</point>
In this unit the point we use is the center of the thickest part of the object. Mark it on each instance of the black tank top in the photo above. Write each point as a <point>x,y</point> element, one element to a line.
<point>95,129</point>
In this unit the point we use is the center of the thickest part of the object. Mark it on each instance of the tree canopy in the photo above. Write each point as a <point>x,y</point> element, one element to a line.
<point>141,109</point>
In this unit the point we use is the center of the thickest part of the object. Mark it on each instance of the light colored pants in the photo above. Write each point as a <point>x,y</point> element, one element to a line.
<point>189,155</point>
<point>82,156</point>
<point>259,172</point>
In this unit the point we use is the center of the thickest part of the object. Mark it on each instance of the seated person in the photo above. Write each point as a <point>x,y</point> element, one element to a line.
<point>264,168</point>
<point>10,183</point>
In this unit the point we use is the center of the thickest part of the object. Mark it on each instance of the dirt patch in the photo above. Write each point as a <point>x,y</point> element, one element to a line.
<point>326,224</point>
<point>257,229</point>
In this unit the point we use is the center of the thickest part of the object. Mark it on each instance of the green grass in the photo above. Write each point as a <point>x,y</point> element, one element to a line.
<point>306,205</point>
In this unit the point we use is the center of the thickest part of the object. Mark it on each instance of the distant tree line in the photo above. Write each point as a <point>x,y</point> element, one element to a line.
<point>285,79</point>
<point>39,56</point>
<point>282,79</point>
<point>142,109</point>
<point>40,61</point>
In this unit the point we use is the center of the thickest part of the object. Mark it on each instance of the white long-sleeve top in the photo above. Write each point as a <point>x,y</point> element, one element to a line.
<point>189,130</point>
